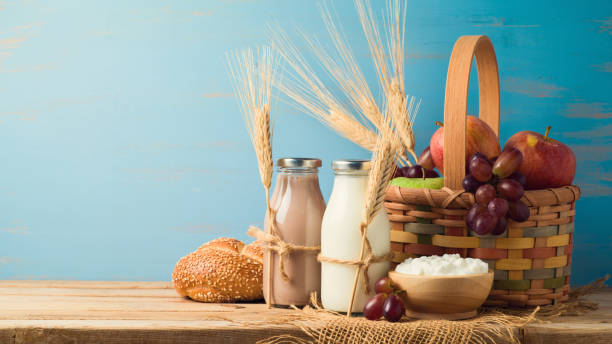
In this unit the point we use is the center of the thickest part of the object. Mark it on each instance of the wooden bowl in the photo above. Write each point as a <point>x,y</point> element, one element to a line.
<point>443,297</point>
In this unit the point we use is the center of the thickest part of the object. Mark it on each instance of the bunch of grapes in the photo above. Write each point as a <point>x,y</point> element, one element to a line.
<point>423,169</point>
<point>385,303</point>
<point>498,188</point>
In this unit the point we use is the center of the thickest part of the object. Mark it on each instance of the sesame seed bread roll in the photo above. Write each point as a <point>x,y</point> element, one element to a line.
<point>222,270</point>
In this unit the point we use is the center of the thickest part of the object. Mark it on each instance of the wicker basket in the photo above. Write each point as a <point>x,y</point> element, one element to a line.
<point>532,259</point>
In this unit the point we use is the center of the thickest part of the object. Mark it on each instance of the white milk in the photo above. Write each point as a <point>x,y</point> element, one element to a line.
<point>341,238</point>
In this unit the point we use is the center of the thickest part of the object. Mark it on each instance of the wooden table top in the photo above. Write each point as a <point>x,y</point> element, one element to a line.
<point>151,312</point>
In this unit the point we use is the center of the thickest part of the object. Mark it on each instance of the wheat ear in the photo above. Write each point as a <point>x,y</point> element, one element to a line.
<point>345,69</point>
<point>402,107</point>
<point>310,94</point>
<point>253,78</point>
<point>382,169</point>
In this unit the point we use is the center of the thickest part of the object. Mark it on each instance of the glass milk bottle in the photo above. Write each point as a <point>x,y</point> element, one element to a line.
<point>341,238</point>
<point>299,207</point>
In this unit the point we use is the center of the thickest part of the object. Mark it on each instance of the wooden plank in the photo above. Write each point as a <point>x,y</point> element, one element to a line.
<point>105,292</point>
<point>85,284</point>
<point>109,312</point>
<point>124,331</point>
<point>563,333</point>
<point>137,312</point>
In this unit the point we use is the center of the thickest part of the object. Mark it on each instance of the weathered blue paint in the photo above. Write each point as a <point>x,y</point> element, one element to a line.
<point>123,148</point>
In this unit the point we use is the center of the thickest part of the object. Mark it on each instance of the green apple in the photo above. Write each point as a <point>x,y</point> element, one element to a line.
<point>418,183</point>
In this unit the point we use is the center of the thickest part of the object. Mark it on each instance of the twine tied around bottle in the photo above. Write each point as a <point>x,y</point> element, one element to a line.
<point>273,242</point>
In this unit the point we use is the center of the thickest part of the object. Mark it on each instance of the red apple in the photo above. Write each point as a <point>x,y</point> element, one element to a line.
<point>479,138</point>
<point>547,163</point>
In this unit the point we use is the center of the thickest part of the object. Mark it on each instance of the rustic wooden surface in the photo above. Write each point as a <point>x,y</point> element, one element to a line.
<point>150,312</point>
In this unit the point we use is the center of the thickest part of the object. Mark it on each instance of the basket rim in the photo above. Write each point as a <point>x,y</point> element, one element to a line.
<point>461,199</point>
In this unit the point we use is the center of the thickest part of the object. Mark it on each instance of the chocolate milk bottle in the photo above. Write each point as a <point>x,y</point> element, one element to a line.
<point>299,207</point>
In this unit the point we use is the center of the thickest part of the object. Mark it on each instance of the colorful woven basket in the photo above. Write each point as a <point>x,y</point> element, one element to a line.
<point>532,259</point>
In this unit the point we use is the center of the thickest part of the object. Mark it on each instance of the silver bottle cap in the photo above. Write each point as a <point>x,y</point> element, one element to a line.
<point>298,162</point>
<point>351,165</point>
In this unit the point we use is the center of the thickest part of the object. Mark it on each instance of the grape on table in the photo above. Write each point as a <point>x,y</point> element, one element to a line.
<point>373,309</point>
<point>386,303</point>
<point>393,309</point>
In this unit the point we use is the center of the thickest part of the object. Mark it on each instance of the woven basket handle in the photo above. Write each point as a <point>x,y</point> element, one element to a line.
<point>455,102</point>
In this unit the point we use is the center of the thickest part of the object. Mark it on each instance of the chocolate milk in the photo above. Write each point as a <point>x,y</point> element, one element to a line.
<point>299,208</point>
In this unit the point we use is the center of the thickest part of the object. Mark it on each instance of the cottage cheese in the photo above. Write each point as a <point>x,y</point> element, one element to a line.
<point>448,264</point>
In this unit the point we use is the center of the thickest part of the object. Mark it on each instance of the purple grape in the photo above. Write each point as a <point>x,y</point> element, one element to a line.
<point>500,228</point>
<point>478,155</point>
<point>397,173</point>
<point>415,171</point>
<point>510,189</point>
<point>393,309</point>
<point>518,211</point>
<point>480,168</point>
<point>485,194</point>
<point>508,162</point>
<point>474,211</point>
<point>498,207</point>
<point>426,159</point>
<point>519,177</point>
<point>431,174</point>
<point>373,309</point>
<point>384,285</point>
<point>475,156</point>
<point>470,184</point>
<point>404,170</point>
<point>484,223</point>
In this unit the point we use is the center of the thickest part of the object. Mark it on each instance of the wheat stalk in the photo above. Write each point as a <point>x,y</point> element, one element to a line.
<point>402,107</point>
<point>382,169</point>
<point>346,70</point>
<point>253,78</point>
<point>347,74</point>
<point>310,95</point>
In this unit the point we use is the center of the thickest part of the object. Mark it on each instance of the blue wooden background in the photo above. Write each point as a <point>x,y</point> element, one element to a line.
<point>122,147</point>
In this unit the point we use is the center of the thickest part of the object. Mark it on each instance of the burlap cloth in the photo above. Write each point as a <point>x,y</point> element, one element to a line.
<point>490,326</point>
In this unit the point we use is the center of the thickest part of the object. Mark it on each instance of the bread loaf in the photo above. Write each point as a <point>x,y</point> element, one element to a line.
<point>222,270</point>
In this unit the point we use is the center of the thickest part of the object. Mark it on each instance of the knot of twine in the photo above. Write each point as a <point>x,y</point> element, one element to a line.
<point>273,242</point>
<point>364,263</point>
